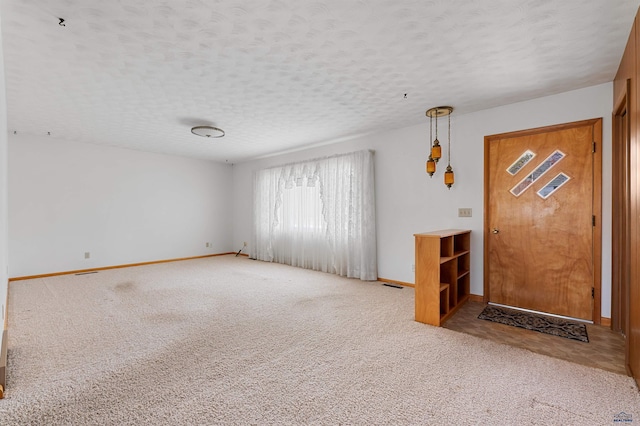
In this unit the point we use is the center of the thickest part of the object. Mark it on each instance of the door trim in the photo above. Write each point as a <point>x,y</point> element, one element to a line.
<point>621,220</point>
<point>596,123</point>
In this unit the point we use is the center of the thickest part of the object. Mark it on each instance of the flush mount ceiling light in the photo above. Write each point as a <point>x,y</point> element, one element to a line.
<point>207,131</point>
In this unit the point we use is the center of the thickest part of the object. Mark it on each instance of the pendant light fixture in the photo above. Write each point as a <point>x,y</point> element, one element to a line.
<point>435,148</point>
<point>431,164</point>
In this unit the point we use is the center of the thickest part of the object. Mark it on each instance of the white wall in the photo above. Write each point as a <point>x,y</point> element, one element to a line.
<point>409,202</point>
<point>4,230</point>
<point>122,206</point>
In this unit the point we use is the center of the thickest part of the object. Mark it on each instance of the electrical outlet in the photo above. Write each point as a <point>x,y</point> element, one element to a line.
<point>87,255</point>
<point>244,244</point>
<point>465,212</point>
<point>413,267</point>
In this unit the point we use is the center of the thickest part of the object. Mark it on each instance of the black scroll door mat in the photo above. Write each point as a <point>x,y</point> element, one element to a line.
<point>536,322</point>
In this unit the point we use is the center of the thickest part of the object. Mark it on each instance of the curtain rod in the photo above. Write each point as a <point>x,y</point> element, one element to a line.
<point>311,160</point>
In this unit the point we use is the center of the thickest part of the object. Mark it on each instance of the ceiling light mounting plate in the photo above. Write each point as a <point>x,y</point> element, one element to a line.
<point>440,111</point>
<point>207,131</point>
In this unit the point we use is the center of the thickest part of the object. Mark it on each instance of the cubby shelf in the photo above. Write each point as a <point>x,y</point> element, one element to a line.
<point>442,274</point>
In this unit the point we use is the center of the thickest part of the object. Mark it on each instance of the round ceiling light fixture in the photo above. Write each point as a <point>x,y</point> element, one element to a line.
<point>207,131</point>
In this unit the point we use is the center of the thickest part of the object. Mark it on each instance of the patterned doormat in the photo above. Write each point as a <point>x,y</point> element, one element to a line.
<point>536,322</point>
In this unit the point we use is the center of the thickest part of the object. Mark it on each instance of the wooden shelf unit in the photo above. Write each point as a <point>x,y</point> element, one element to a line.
<point>442,274</point>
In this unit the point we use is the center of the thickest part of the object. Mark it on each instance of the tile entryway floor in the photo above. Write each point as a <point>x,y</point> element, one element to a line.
<point>605,349</point>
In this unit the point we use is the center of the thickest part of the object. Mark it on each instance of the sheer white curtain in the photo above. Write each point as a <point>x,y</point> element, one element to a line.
<point>318,214</point>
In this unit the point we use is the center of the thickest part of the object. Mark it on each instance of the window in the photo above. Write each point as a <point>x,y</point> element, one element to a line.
<point>318,214</point>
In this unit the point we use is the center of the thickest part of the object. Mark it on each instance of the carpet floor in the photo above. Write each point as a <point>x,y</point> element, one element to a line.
<point>229,340</point>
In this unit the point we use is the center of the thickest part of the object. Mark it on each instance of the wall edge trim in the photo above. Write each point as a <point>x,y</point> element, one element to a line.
<point>104,268</point>
<point>402,283</point>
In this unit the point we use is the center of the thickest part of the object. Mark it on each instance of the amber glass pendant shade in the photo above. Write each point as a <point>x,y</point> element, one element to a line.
<point>436,151</point>
<point>431,166</point>
<point>448,177</point>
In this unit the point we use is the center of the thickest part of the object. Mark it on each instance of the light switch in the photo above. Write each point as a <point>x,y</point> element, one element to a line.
<point>464,212</point>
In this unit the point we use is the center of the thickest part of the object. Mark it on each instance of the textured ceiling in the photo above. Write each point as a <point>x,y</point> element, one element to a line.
<point>277,75</point>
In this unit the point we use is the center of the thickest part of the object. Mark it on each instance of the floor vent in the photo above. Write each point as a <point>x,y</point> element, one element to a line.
<point>392,285</point>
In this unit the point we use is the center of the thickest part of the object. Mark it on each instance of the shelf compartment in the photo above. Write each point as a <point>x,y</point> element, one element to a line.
<point>449,272</point>
<point>461,243</point>
<point>446,246</point>
<point>462,288</point>
<point>444,299</point>
<point>449,275</point>
<point>463,264</point>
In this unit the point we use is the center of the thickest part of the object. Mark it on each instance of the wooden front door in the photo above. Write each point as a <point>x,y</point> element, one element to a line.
<point>542,187</point>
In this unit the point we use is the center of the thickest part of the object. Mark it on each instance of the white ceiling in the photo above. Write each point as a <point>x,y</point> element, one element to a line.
<point>277,75</point>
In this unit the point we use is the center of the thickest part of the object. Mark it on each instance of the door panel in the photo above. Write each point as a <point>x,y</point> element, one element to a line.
<point>540,212</point>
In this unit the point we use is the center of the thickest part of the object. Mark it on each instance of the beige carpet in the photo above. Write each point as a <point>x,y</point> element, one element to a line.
<point>233,341</point>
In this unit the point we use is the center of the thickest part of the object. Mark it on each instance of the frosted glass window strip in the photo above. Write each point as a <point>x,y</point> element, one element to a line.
<point>520,162</point>
<point>544,167</point>
<point>553,185</point>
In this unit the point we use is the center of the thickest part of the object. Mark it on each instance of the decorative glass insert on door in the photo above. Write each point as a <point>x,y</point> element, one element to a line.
<point>520,162</point>
<point>553,185</point>
<point>544,167</point>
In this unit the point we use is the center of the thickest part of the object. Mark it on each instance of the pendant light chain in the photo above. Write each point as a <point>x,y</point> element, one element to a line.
<point>431,164</point>
<point>436,123</point>
<point>449,147</point>
<point>430,134</point>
